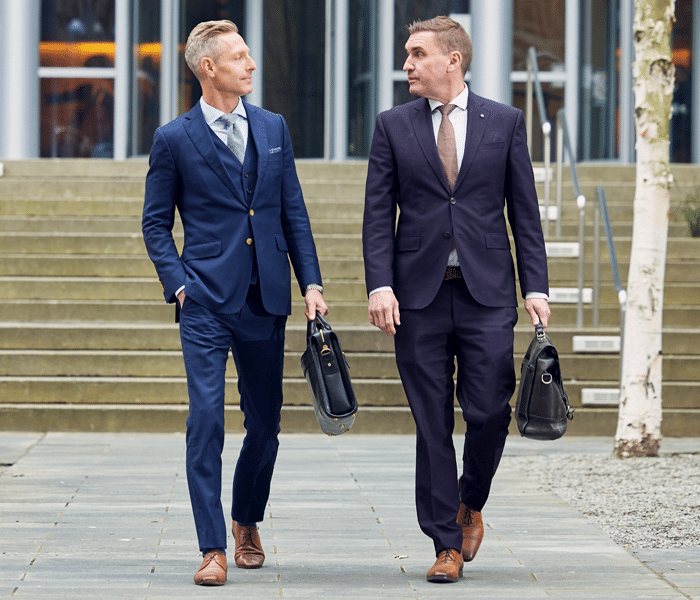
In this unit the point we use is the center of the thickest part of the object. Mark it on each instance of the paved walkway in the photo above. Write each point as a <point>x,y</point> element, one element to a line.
<point>107,516</point>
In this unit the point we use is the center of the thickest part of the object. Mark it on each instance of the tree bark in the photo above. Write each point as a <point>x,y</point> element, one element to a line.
<point>639,423</point>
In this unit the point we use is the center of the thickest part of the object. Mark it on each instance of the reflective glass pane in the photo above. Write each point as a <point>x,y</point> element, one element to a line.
<point>598,133</point>
<point>146,73</point>
<point>682,36</point>
<point>294,73</point>
<point>77,118</point>
<point>361,77</point>
<point>539,23</point>
<point>75,33</point>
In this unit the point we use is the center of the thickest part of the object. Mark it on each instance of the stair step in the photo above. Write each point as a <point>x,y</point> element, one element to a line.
<point>363,365</point>
<point>173,390</point>
<point>350,313</point>
<point>90,335</point>
<point>295,419</point>
<point>71,355</point>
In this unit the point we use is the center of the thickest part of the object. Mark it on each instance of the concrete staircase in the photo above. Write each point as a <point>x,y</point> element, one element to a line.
<point>86,342</point>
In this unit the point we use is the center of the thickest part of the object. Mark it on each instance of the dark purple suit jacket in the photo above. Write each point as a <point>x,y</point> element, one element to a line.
<point>405,172</point>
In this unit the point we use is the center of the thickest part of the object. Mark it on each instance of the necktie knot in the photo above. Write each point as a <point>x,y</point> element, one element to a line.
<point>446,109</point>
<point>234,135</point>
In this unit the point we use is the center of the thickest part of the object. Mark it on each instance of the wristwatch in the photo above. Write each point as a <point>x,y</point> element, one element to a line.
<point>314,286</point>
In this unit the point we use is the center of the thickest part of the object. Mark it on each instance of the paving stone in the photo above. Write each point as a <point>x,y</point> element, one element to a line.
<point>107,515</point>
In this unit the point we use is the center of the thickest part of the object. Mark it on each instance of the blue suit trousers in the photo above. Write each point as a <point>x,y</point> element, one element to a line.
<point>256,340</point>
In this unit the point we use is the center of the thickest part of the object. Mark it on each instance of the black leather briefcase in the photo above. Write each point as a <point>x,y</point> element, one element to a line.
<point>542,409</point>
<point>327,373</point>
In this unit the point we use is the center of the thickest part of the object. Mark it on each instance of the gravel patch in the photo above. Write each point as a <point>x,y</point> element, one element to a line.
<point>639,502</point>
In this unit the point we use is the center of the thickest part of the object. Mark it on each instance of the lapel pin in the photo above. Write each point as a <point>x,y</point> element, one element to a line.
<point>482,115</point>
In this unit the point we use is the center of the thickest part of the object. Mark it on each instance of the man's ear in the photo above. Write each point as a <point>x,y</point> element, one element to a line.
<point>207,66</point>
<point>455,61</point>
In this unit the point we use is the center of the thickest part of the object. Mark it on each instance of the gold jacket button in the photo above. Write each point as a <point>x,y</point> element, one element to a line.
<point>252,212</point>
<point>249,241</point>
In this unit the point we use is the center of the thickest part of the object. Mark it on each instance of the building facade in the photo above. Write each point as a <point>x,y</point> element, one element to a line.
<point>94,78</point>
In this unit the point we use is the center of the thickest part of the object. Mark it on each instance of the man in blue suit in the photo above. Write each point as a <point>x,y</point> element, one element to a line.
<point>451,162</point>
<point>228,168</point>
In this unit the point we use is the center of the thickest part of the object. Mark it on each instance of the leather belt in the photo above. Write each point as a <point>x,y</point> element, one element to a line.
<point>453,273</point>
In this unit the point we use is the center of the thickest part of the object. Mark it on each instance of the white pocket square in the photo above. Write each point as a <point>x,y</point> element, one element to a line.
<point>275,150</point>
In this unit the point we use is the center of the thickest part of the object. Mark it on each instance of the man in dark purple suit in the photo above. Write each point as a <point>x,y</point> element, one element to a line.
<point>451,162</point>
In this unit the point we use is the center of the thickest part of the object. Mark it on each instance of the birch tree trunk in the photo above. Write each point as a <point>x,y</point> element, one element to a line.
<point>639,423</point>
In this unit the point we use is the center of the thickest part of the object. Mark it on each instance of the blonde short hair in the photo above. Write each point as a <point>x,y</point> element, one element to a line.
<point>203,41</point>
<point>450,36</point>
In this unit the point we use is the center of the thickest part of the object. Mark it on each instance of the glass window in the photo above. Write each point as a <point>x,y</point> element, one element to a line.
<point>74,32</point>
<point>682,36</point>
<point>599,127</point>
<point>146,73</point>
<point>539,23</point>
<point>294,70</point>
<point>361,77</point>
<point>77,118</point>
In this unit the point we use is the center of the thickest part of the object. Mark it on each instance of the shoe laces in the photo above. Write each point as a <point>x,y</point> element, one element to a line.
<point>469,517</point>
<point>446,556</point>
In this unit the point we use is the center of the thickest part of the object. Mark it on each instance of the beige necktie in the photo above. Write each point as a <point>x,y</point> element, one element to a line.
<point>447,148</point>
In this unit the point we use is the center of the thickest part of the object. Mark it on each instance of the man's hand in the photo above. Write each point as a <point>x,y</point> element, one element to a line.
<point>538,309</point>
<point>383,311</point>
<point>314,303</point>
<point>181,298</point>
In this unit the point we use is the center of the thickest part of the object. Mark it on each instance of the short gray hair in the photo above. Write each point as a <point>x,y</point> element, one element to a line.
<point>203,41</point>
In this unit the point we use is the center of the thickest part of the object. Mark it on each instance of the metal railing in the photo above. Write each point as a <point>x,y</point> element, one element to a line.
<point>533,80</point>
<point>563,143</point>
<point>602,210</point>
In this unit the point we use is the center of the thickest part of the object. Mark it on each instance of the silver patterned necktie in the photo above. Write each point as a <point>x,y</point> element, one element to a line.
<point>234,136</point>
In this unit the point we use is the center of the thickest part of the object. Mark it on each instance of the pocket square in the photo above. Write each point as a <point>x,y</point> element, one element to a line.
<point>275,150</point>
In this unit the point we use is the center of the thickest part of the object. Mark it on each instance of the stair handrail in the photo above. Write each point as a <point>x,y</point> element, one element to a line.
<point>602,210</point>
<point>533,79</point>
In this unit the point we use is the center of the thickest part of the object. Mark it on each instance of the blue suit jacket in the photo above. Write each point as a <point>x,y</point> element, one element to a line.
<point>216,261</point>
<point>405,171</point>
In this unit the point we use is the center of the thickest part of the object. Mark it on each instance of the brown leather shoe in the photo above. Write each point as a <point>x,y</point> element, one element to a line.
<point>447,567</point>
<point>472,531</point>
<point>249,552</point>
<point>213,569</point>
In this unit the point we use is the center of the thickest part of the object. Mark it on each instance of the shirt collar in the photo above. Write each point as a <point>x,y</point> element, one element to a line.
<point>211,114</point>
<point>460,100</point>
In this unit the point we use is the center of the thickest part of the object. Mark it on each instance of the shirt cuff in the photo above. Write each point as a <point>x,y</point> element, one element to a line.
<point>384,288</point>
<point>536,295</point>
<point>181,288</point>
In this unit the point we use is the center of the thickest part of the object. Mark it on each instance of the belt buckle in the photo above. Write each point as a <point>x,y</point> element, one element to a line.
<point>453,273</point>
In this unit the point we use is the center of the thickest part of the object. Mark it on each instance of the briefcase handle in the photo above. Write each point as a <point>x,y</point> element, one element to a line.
<point>318,324</point>
<point>539,330</point>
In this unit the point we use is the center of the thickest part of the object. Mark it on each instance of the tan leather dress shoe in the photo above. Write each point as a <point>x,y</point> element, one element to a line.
<point>447,567</point>
<point>472,531</point>
<point>213,569</point>
<point>249,552</point>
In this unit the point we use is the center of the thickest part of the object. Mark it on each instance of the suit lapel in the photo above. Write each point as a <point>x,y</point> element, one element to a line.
<point>199,132</point>
<point>476,126</point>
<point>258,132</point>
<point>423,126</point>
